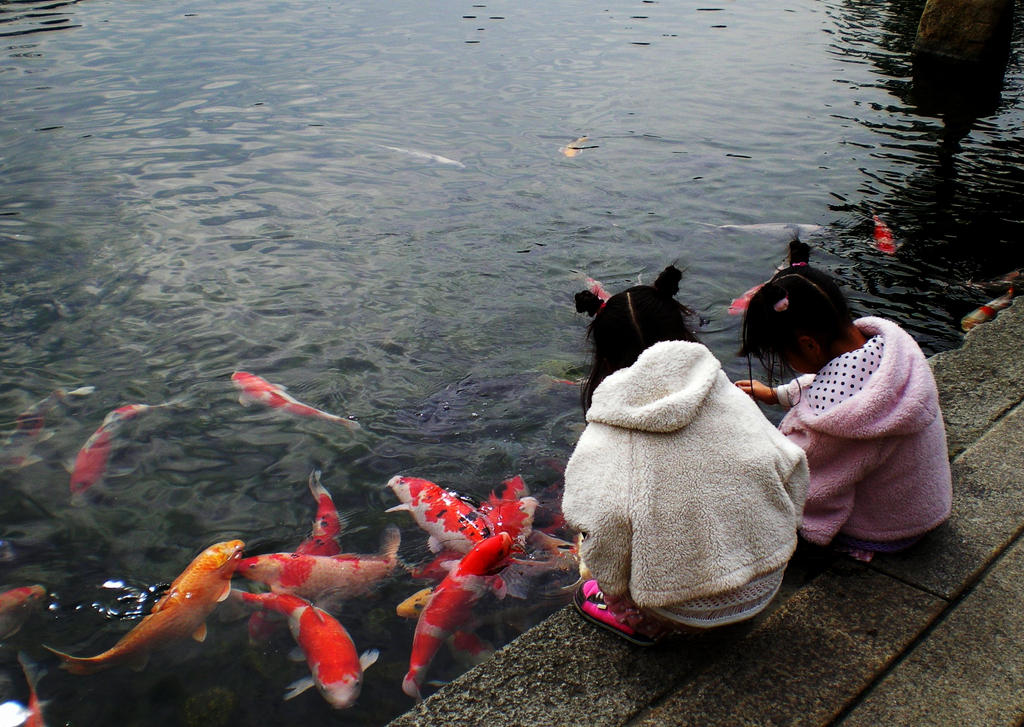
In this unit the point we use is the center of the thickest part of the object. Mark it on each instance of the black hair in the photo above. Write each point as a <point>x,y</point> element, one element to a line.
<point>629,322</point>
<point>798,301</point>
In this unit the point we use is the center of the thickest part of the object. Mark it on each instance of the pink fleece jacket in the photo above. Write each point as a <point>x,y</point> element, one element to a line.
<point>878,460</point>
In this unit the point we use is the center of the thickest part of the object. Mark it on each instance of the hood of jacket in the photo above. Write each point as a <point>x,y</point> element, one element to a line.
<point>900,397</point>
<point>661,392</point>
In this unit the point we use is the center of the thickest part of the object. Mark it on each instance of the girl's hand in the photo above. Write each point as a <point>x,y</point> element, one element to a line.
<point>758,391</point>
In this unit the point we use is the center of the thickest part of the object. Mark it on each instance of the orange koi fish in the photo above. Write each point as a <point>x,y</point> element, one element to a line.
<point>16,451</point>
<point>450,521</point>
<point>260,391</point>
<point>181,612</point>
<point>336,668</point>
<point>316,577</point>
<point>16,605</point>
<point>451,605</point>
<point>575,147</point>
<point>34,713</point>
<point>92,458</point>
<point>884,240</point>
<point>986,312</point>
<point>327,524</point>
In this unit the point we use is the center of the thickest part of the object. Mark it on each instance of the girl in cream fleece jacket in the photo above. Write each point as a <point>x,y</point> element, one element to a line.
<point>866,412</point>
<point>687,498</point>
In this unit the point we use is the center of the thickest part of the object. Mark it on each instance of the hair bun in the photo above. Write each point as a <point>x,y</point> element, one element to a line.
<point>668,281</point>
<point>799,252</point>
<point>587,302</point>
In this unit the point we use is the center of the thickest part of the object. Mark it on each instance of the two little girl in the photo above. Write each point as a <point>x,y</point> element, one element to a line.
<point>689,501</point>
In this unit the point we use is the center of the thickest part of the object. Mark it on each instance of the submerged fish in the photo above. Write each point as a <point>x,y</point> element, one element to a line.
<point>986,312</point>
<point>575,147</point>
<point>775,228</point>
<point>884,240</point>
<point>413,605</point>
<point>16,450</point>
<point>181,612</point>
<point>326,526</point>
<point>425,156</point>
<point>739,305</point>
<point>451,605</point>
<point>450,521</point>
<point>34,716</point>
<point>336,668</point>
<point>260,391</point>
<point>16,605</point>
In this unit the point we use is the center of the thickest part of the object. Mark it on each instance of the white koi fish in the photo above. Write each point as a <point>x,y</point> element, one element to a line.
<point>774,228</point>
<point>425,156</point>
<point>16,450</point>
<point>260,391</point>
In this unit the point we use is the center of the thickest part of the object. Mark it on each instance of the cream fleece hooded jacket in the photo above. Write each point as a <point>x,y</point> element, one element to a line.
<point>680,485</point>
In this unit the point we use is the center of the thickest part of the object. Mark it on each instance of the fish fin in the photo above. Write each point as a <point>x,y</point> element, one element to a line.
<point>296,654</point>
<point>434,544</point>
<point>225,593</point>
<point>138,661</point>
<point>298,687</point>
<point>398,508</point>
<point>351,424</point>
<point>368,658</point>
<point>200,633</point>
<point>31,459</point>
<point>390,542</point>
<point>32,671</point>
<point>81,391</point>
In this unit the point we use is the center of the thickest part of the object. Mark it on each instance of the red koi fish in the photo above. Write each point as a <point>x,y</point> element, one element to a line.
<point>91,461</point>
<point>16,451</point>
<point>597,289</point>
<point>884,240</point>
<point>451,605</point>
<point>16,605</point>
<point>986,312</point>
<point>336,668</point>
<point>256,390</point>
<point>511,511</point>
<point>451,522</point>
<point>327,524</point>
<point>181,612</point>
<point>319,577</point>
<point>739,305</point>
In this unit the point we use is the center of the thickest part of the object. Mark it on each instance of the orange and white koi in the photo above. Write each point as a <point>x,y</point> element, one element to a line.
<point>451,604</point>
<point>91,461</point>
<point>986,312</point>
<point>325,577</point>
<point>257,390</point>
<point>181,612</point>
<point>16,605</point>
<point>450,521</point>
<point>16,450</point>
<point>575,147</point>
<point>335,665</point>
<point>884,239</point>
<point>326,526</point>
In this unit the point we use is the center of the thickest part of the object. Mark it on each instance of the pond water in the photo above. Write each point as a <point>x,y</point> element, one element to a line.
<point>369,205</point>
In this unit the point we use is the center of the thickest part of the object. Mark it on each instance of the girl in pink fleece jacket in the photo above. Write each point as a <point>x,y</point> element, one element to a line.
<point>865,411</point>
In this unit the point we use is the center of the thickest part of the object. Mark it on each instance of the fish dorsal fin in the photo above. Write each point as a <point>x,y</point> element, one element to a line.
<point>200,633</point>
<point>368,658</point>
<point>298,687</point>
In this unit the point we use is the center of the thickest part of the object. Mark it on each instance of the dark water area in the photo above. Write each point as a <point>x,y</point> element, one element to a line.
<point>369,205</point>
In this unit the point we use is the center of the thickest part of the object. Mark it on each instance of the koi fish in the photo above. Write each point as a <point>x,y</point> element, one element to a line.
<point>260,391</point>
<point>597,289</point>
<point>450,607</point>
<point>773,228</point>
<point>91,461</point>
<point>16,451</point>
<point>575,147</point>
<point>451,522</point>
<point>336,667</point>
<point>34,712</point>
<point>739,305</point>
<point>986,312</point>
<point>327,524</point>
<point>413,605</point>
<point>16,605</point>
<point>426,156</point>
<point>511,511</point>
<point>181,612</point>
<point>318,577</point>
<point>884,240</point>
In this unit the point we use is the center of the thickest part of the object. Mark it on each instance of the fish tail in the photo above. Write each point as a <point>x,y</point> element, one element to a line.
<point>316,486</point>
<point>389,543</point>
<point>78,664</point>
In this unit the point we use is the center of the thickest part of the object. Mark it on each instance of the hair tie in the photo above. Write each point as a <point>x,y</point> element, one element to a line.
<point>782,305</point>
<point>601,307</point>
<point>798,265</point>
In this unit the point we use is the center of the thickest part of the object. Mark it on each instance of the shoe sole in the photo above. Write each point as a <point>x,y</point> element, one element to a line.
<point>636,639</point>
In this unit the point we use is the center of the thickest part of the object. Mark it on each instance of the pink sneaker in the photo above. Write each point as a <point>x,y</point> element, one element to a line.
<point>589,601</point>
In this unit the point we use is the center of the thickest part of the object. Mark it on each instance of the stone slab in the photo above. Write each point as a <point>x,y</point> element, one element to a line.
<point>983,379</point>
<point>807,661</point>
<point>970,669</point>
<point>988,513</point>
<point>963,30</point>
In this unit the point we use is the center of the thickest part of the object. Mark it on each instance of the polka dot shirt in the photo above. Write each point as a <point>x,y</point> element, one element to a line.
<point>844,376</point>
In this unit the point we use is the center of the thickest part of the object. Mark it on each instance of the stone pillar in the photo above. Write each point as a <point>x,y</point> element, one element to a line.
<point>971,31</point>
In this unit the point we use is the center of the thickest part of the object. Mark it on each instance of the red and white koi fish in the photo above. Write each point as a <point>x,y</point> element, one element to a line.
<point>256,390</point>
<point>34,713</point>
<point>335,665</point>
<point>451,604</point>
<point>16,605</point>
<point>320,577</point>
<point>450,521</point>
<point>16,451</point>
<point>91,461</point>
<point>511,511</point>
<point>739,305</point>
<point>327,524</point>
<point>884,240</point>
<point>597,289</point>
<point>986,312</point>
<point>181,612</point>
